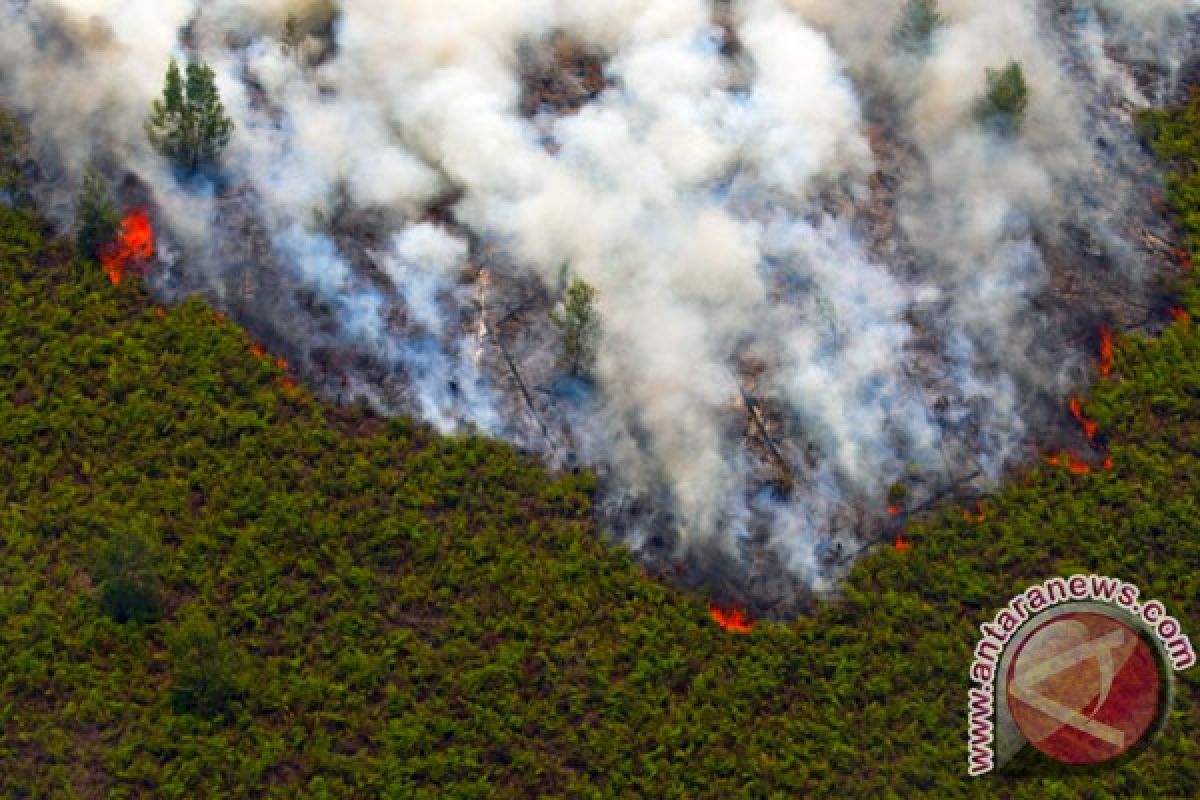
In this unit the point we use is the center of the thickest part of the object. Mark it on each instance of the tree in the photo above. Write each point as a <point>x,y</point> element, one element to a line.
<point>919,20</point>
<point>125,576</point>
<point>580,324</point>
<point>97,221</point>
<point>188,125</point>
<point>1001,109</point>
<point>13,157</point>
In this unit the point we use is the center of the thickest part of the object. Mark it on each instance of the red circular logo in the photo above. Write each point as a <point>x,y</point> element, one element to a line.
<point>1084,688</point>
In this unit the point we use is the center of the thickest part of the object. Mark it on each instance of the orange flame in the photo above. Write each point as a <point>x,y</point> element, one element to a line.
<point>134,244</point>
<point>281,363</point>
<point>1089,426</point>
<point>901,544</point>
<point>979,515</point>
<point>1183,258</point>
<point>894,510</point>
<point>1073,463</point>
<point>1181,315</point>
<point>733,620</point>
<point>1108,463</point>
<point>258,351</point>
<point>1106,350</point>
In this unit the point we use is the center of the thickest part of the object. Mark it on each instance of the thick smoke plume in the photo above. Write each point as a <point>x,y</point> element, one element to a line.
<point>820,278</point>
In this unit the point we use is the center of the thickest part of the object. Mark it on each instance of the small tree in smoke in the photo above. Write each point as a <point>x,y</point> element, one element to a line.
<point>580,323</point>
<point>188,124</point>
<point>97,220</point>
<point>1002,106</point>
<point>919,20</point>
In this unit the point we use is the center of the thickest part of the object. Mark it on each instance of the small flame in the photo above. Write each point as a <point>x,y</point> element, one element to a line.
<point>977,516</point>
<point>134,245</point>
<point>1183,258</point>
<point>1181,315</point>
<point>1108,463</point>
<point>258,351</point>
<point>894,510</point>
<point>1073,463</point>
<point>1106,350</point>
<point>281,363</point>
<point>733,620</point>
<point>901,544</point>
<point>1089,426</point>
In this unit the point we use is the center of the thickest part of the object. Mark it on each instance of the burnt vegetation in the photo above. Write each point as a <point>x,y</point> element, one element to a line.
<point>208,589</point>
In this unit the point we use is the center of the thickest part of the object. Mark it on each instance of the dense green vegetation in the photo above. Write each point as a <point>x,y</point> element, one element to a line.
<point>211,585</point>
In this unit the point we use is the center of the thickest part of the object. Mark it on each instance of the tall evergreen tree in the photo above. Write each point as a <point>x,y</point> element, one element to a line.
<point>188,124</point>
<point>580,324</point>
<point>97,219</point>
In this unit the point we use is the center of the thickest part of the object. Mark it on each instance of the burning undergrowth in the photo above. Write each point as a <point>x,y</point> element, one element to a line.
<point>829,295</point>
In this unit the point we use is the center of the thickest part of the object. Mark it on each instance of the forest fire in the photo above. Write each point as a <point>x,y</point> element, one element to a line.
<point>1106,350</point>
<point>846,321</point>
<point>1181,315</point>
<point>1089,426</point>
<point>134,245</point>
<point>733,620</point>
<point>901,544</point>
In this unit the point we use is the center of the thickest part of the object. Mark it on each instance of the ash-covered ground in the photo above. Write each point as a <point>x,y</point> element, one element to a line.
<point>825,288</point>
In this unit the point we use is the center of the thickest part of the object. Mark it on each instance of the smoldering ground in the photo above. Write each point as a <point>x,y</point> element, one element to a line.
<point>819,277</point>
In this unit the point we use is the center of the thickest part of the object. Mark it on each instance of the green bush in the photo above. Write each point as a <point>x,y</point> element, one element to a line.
<point>204,676</point>
<point>124,575</point>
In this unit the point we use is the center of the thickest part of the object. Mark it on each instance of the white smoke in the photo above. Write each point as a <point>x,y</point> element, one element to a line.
<point>709,199</point>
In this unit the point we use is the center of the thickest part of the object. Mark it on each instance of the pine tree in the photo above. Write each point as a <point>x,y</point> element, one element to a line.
<point>580,324</point>
<point>97,219</point>
<point>919,20</point>
<point>189,125</point>
<point>1002,107</point>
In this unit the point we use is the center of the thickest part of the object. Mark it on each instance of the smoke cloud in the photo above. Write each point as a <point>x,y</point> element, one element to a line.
<point>818,276</point>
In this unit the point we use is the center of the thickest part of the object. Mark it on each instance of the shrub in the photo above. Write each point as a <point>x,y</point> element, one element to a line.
<point>204,677</point>
<point>125,577</point>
